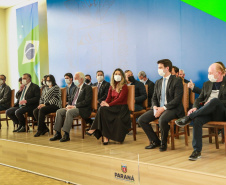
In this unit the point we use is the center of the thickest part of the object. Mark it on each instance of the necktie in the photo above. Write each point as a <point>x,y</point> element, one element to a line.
<point>163,93</point>
<point>98,87</point>
<point>75,98</point>
<point>22,96</point>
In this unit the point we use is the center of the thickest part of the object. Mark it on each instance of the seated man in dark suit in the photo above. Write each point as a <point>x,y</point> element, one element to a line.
<point>175,71</point>
<point>28,100</point>
<point>166,105</point>
<point>81,105</point>
<point>102,86</point>
<point>140,91</point>
<point>143,78</point>
<point>88,80</point>
<point>213,97</point>
<point>182,75</point>
<point>5,94</point>
<point>70,86</point>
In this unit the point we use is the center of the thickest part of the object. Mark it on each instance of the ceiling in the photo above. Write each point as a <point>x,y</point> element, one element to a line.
<point>9,3</point>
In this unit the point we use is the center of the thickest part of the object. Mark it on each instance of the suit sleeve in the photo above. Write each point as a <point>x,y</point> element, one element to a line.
<point>155,97</point>
<point>143,94</point>
<point>88,98</point>
<point>196,90</point>
<point>106,88</point>
<point>36,96</point>
<point>150,91</point>
<point>178,95</point>
<point>123,94</point>
<point>6,96</point>
<point>201,97</point>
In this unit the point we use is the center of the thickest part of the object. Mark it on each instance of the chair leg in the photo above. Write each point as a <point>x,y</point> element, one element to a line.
<point>225,138</point>
<point>188,131</point>
<point>134,128</point>
<point>26,122</point>
<point>83,123</point>
<point>216,137</point>
<point>7,121</point>
<point>172,135</point>
<point>186,134</point>
<point>210,137</point>
<point>51,125</point>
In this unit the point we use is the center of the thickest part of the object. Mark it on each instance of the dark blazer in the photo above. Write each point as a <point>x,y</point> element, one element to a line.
<point>32,96</point>
<point>103,90</point>
<point>70,91</point>
<point>84,101</point>
<point>140,92</point>
<point>186,81</point>
<point>206,91</point>
<point>5,96</point>
<point>151,87</point>
<point>196,90</point>
<point>174,94</point>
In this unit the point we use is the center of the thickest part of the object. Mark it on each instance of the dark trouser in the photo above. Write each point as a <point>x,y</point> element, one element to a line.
<point>212,111</point>
<point>40,114</point>
<point>17,114</point>
<point>2,108</point>
<point>164,119</point>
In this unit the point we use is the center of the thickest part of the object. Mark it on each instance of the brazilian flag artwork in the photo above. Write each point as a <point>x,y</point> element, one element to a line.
<point>28,41</point>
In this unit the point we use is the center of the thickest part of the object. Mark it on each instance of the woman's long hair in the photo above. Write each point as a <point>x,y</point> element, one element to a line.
<point>52,79</point>
<point>120,84</point>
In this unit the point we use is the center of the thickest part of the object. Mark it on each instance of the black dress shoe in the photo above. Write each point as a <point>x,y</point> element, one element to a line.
<point>183,121</point>
<point>89,134</point>
<point>152,145</point>
<point>16,130</point>
<point>23,129</point>
<point>38,133</point>
<point>65,138</point>
<point>163,148</point>
<point>46,130</point>
<point>56,137</point>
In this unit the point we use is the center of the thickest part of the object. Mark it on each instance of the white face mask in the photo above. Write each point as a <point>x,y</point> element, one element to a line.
<point>100,78</point>
<point>67,81</point>
<point>142,81</point>
<point>1,82</point>
<point>76,82</point>
<point>211,78</point>
<point>161,72</point>
<point>24,82</point>
<point>117,78</point>
<point>49,83</point>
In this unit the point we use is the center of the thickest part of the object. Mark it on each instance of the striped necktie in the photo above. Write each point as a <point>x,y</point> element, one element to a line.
<point>76,96</point>
<point>22,96</point>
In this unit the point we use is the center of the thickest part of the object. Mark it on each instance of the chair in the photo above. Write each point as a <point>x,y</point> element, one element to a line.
<point>51,117</point>
<point>185,101</point>
<point>93,113</point>
<point>133,114</point>
<point>4,111</point>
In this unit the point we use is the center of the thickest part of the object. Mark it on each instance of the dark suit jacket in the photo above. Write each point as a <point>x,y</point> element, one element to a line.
<point>206,91</point>
<point>186,81</point>
<point>32,96</point>
<point>174,94</point>
<point>140,92</point>
<point>103,90</point>
<point>5,96</point>
<point>196,90</point>
<point>84,101</point>
<point>70,91</point>
<point>151,87</point>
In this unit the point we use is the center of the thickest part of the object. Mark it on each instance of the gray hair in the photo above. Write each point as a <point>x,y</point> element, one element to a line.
<point>142,73</point>
<point>81,75</point>
<point>182,71</point>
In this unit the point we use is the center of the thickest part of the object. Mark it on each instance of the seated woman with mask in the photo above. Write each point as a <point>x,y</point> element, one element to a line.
<point>51,103</point>
<point>113,118</point>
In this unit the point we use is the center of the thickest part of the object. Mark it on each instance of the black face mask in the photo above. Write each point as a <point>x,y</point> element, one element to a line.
<point>87,81</point>
<point>131,79</point>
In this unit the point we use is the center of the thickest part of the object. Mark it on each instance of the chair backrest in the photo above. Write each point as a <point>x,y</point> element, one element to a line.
<point>145,103</point>
<point>40,92</point>
<point>192,97</point>
<point>12,98</point>
<point>131,97</point>
<point>94,98</point>
<point>63,96</point>
<point>185,99</point>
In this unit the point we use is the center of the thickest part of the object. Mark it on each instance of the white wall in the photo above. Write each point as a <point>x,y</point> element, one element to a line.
<point>11,44</point>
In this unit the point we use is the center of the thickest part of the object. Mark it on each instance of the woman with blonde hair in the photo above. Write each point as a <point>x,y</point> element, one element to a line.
<point>113,117</point>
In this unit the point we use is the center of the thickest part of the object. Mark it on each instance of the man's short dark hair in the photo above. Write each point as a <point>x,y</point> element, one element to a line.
<point>126,71</point>
<point>3,76</point>
<point>69,75</point>
<point>27,75</point>
<point>176,69</point>
<point>20,79</point>
<point>166,63</point>
<point>88,75</point>
<point>100,72</point>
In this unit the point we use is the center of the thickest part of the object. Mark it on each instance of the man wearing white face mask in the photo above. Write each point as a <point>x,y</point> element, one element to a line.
<point>143,78</point>
<point>5,94</point>
<point>213,98</point>
<point>81,104</point>
<point>166,105</point>
<point>70,86</point>
<point>102,86</point>
<point>28,101</point>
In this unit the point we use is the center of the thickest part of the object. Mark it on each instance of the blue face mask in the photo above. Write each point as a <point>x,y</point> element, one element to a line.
<point>76,82</point>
